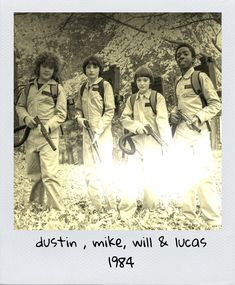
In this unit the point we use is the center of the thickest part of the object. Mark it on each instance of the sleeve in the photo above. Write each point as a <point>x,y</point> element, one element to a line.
<point>109,104</point>
<point>162,120</point>
<point>60,110</point>
<point>21,106</point>
<point>78,106</point>
<point>127,120</point>
<point>212,98</point>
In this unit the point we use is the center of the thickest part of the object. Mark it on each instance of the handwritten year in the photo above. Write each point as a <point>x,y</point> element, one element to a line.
<point>115,262</point>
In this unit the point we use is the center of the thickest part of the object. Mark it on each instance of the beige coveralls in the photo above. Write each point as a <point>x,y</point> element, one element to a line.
<point>194,148</point>
<point>146,165</point>
<point>42,161</point>
<point>98,175</point>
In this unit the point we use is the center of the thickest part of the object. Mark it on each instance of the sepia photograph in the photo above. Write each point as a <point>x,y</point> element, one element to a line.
<point>117,121</point>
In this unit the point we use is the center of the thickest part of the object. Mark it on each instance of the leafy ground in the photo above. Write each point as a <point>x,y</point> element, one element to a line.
<point>80,214</point>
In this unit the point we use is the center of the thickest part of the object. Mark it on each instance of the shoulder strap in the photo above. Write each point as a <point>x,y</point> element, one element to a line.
<point>195,82</point>
<point>153,104</point>
<point>197,87</point>
<point>153,101</point>
<point>101,88</point>
<point>100,85</point>
<point>27,88</point>
<point>101,92</point>
<point>54,92</point>
<point>82,88</point>
<point>132,100</point>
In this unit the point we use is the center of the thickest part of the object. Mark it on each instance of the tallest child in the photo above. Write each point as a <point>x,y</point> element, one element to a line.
<point>192,145</point>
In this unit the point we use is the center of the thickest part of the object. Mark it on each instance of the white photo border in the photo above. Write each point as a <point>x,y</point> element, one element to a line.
<point>22,263</point>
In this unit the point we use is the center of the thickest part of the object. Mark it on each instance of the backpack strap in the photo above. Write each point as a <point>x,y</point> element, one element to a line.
<point>153,104</point>
<point>153,101</point>
<point>197,88</point>
<point>27,88</point>
<point>82,88</point>
<point>132,100</point>
<point>100,90</point>
<point>53,87</point>
<point>54,92</point>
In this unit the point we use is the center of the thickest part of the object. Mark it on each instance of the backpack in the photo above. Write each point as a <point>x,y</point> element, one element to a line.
<point>152,101</point>
<point>100,89</point>
<point>197,88</point>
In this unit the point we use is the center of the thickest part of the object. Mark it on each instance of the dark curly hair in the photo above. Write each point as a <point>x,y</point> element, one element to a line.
<point>50,60</point>
<point>192,50</point>
<point>93,59</point>
<point>144,71</point>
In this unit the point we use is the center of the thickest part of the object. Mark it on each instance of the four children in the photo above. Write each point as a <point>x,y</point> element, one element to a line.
<point>95,110</point>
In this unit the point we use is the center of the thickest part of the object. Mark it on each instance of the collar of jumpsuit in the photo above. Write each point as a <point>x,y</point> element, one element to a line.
<point>49,82</point>
<point>88,85</point>
<point>146,95</point>
<point>188,74</point>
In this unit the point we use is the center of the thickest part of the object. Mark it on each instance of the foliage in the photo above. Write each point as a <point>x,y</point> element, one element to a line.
<point>80,214</point>
<point>128,40</point>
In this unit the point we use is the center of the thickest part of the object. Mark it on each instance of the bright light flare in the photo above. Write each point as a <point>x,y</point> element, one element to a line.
<point>168,177</point>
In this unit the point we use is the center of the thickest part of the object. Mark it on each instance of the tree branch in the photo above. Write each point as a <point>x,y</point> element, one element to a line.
<point>145,16</point>
<point>173,41</point>
<point>124,24</point>
<point>192,22</point>
<point>63,25</point>
<point>218,67</point>
<point>58,30</point>
<point>214,41</point>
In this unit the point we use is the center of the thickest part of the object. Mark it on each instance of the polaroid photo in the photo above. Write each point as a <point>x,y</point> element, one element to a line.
<point>122,166</point>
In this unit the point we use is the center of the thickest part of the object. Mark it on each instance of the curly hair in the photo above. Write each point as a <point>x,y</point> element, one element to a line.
<point>144,71</point>
<point>95,60</point>
<point>50,60</point>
